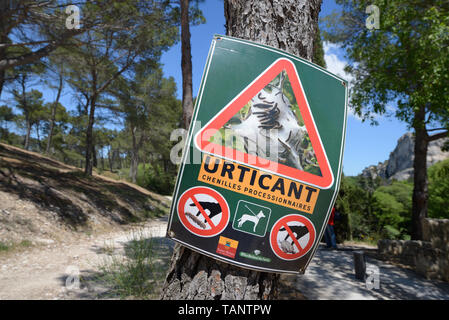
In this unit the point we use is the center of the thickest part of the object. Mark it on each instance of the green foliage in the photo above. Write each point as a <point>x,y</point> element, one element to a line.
<point>439,190</point>
<point>404,61</point>
<point>132,275</point>
<point>112,66</point>
<point>158,180</point>
<point>371,210</point>
<point>318,51</point>
<point>387,210</point>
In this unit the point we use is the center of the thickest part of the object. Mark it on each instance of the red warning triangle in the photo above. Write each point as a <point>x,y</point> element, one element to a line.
<point>263,115</point>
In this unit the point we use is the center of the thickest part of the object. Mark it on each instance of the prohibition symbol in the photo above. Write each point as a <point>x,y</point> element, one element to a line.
<point>292,237</point>
<point>203,211</point>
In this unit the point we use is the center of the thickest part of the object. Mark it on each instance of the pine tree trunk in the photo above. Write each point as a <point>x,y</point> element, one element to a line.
<point>89,138</point>
<point>186,66</point>
<point>28,133</point>
<point>286,24</point>
<point>2,81</point>
<point>53,115</point>
<point>134,157</point>
<point>420,193</point>
<point>289,25</point>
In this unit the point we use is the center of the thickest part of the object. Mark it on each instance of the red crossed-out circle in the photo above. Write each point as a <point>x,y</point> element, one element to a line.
<point>194,194</point>
<point>284,223</point>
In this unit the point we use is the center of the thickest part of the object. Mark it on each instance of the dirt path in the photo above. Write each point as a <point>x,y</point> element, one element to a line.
<point>330,276</point>
<point>50,271</point>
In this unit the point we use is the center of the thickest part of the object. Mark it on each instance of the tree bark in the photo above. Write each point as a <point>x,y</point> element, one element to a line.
<point>110,156</point>
<point>186,66</point>
<point>53,114</point>
<point>420,192</point>
<point>28,133</point>
<point>195,276</point>
<point>89,138</point>
<point>288,25</point>
<point>134,157</point>
<point>2,81</point>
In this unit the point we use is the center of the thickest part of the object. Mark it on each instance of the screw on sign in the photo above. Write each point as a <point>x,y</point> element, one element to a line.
<point>292,237</point>
<point>203,211</point>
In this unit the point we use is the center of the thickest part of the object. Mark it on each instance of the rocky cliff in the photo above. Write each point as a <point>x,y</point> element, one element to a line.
<point>399,165</point>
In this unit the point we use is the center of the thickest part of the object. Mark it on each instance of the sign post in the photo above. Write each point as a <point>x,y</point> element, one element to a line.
<point>263,158</point>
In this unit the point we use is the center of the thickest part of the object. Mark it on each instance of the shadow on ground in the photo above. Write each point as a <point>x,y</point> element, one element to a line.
<point>125,273</point>
<point>331,276</point>
<point>70,194</point>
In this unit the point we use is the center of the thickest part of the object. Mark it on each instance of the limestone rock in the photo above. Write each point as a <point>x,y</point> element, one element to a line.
<point>399,165</point>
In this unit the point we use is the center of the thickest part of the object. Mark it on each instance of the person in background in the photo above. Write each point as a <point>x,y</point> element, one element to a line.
<point>329,234</point>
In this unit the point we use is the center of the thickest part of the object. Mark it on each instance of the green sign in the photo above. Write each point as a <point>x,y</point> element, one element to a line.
<point>263,158</point>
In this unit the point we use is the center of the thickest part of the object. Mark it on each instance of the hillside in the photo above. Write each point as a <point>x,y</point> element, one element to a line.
<point>43,200</point>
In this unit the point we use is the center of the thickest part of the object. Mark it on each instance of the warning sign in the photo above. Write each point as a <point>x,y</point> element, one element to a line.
<point>203,211</point>
<point>292,237</point>
<point>270,134</point>
<point>263,158</point>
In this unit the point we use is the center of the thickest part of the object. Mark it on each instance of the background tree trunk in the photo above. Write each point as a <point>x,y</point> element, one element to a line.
<point>89,138</point>
<point>286,24</point>
<point>53,113</point>
<point>420,193</point>
<point>28,133</point>
<point>186,66</point>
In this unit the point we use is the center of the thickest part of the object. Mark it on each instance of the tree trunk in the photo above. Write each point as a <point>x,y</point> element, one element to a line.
<point>110,156</point>
<point>53,114</point>
<point>38,136</point>
<point>420,192</point>
<point>2,81</point>
<point>28,133</point>
<point>89,138</point>
<point>3,39</point>
<point>134,157</point>
<point>186,66</point>
<point>94,154</point>
<point>291,26</point>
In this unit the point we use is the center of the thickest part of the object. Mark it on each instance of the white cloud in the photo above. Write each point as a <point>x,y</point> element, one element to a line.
<point>336,65</point>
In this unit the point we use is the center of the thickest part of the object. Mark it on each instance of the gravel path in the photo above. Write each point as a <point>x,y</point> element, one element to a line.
<point>42,272</point>
<point>330,276</point>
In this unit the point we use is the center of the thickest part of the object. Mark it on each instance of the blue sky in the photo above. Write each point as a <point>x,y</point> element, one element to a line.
<point>365,144</point>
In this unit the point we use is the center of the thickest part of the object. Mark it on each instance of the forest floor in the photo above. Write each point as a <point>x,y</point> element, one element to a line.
<point>75,270</point>
<point>72,269</point>
<point>43,201</point>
